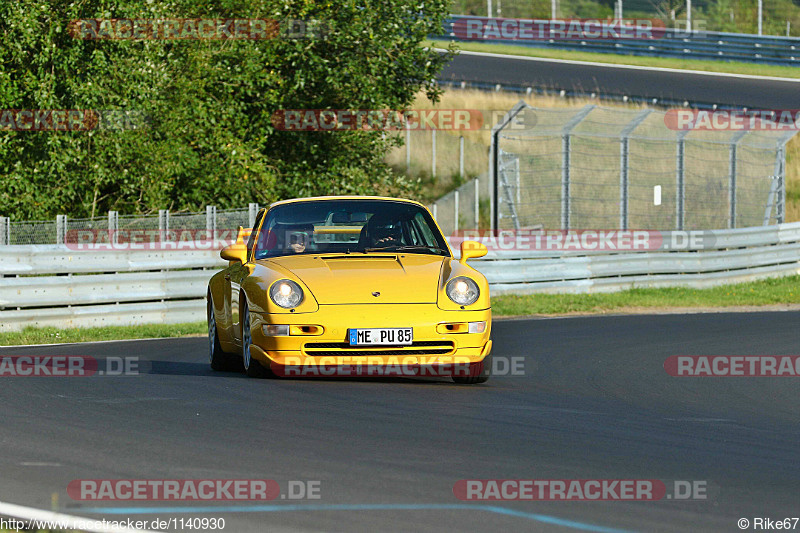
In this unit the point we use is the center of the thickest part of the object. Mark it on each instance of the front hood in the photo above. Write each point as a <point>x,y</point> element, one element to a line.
<point>353,278</point>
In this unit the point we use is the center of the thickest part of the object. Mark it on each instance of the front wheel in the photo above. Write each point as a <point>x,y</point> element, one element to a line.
<point>478,372</point>
<point>251,367</point>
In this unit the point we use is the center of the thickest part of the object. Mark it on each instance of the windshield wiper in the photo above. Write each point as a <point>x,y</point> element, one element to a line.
<point>404,248</point>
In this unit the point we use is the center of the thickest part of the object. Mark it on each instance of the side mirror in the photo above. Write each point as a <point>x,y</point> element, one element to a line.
<point>471,250</point>
<point>234,252</point>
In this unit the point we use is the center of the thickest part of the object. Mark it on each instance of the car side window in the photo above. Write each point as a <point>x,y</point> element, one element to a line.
<point>423,231</point>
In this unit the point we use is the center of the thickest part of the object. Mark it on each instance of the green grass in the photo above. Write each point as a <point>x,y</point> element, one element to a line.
<point>784,290</point>
<point>33,335</point>
<point>663,62</point>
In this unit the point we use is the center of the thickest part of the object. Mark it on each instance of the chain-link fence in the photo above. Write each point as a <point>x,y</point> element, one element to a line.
<point>594,167</point>
<point>463,208</point>
<point>158,228</point>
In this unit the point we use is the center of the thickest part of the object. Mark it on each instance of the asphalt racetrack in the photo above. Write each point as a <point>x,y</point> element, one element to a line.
<point>737,91</point>
<point>594,403</point>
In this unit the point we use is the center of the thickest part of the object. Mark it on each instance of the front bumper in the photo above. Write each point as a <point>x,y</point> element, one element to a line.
<point>325,342</point>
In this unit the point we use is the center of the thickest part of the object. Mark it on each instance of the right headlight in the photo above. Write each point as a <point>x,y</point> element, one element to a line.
<point>462,290</point>
<point>286,293</point>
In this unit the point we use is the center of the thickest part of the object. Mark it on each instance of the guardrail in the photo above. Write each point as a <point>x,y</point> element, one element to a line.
<point>723,46</point>
<point>53,285</point>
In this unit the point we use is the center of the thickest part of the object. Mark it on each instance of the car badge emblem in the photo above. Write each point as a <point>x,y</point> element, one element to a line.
<point>376,294</point>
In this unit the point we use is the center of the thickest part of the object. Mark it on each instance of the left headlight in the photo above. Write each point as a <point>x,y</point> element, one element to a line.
<point>286,293</point>
<point>463,290</point>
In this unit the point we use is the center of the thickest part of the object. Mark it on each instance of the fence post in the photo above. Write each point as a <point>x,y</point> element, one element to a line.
<point>252,213</point>
<point>61,229</point>
<point>780,176</point>
<point>623,183</point>
<point>408,154</point>
<point>434,211</point>
<point>163,224</point>
<point>477,203</point>
<point>456,210</point>
<point>461,156</point>
<point>494,163</point>
<point>680,185</point>
<point>565,194</point>
<point>433,153</point>
<point>565,163</point>
<point>732,187</point>
<point>113,226</point>
<point>211,220</point>
<point>624,152</point>
<point>4,236</point>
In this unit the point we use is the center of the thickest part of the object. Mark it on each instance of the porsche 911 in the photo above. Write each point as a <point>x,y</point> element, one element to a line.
<point>360,286</point>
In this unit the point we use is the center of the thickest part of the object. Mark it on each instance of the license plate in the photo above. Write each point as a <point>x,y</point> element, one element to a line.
<point>381,336</point>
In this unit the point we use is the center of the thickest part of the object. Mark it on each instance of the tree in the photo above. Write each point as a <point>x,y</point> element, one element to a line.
<point>209,136</point>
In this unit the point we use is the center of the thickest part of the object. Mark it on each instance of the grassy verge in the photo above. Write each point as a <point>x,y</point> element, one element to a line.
<point>663,62</point>
<point>758,293</point>
<point>33,335</point>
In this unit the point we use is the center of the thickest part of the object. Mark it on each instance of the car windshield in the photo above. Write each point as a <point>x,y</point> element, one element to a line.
<point>348,226</point>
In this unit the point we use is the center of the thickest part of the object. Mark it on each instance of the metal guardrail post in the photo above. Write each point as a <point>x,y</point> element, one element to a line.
<point>61,229</point>
<point>623,165</point>
<point>211,220</point>
<point>434,210</point>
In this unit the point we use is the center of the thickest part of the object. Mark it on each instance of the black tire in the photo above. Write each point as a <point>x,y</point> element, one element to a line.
<point>217,358</point>
<point>479,372</point>
<point>252,368</point>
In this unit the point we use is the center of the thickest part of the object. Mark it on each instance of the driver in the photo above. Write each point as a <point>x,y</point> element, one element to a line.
<point>386,232</point>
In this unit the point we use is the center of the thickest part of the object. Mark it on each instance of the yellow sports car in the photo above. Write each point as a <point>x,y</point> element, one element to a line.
<point>350,286</point>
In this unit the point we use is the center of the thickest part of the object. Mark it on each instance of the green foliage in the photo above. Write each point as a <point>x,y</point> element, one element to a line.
<point>210,139</point>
